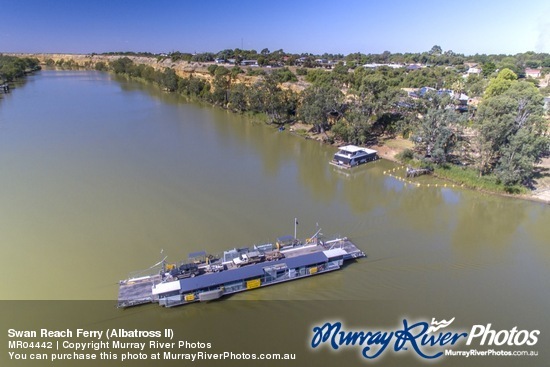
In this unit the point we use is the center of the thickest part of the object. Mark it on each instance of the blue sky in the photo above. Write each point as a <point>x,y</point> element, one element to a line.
<point>344,26</point>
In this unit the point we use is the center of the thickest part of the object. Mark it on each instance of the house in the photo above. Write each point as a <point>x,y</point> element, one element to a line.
<point>376,65</point>
<point>473,70</point>
<point>249,63</point>
<point>533,73</point>
<point>425,90</point>
<point>411,92</point>
<point>461,100</point>
<point>325,63</point>
<point>412,67</point>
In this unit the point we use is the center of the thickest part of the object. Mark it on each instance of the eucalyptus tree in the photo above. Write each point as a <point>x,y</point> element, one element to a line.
<point>439,129</point>
<point>512,132</point>
<point>318,102</point>
<point>266,96</point>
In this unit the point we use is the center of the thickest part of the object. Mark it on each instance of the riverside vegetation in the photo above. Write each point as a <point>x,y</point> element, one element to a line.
<point>12,68</point>
<point>492,144</point>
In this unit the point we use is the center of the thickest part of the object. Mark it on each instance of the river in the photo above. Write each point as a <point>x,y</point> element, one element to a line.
<point>101,176</point>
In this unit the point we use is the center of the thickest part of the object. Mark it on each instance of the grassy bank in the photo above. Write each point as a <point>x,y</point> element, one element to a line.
<point>470,178</point>
<point>463,176</point>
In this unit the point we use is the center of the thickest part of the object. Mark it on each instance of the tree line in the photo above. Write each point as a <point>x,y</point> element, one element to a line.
<point>436,56</point>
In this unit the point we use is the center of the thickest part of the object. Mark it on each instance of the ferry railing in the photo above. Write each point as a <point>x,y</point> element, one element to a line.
<point>152,270</point>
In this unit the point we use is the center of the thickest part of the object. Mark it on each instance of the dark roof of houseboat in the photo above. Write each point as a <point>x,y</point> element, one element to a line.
<point>247,272</point>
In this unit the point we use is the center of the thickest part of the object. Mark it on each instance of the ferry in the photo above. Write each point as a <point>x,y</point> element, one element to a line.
<point>351,155</point>
<point>206,277</point>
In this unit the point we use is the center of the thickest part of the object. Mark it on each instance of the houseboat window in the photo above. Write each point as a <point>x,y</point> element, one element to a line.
<point>234,286</point>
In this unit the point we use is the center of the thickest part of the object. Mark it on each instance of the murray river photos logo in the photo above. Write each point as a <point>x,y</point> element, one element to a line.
<point>426,340</point>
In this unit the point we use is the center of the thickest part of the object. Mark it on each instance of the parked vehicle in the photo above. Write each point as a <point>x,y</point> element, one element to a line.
<point>185,271</point>
<point>248,258</point>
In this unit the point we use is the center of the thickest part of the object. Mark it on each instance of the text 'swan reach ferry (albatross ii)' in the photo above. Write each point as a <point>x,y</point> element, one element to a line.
<point>206,277</point>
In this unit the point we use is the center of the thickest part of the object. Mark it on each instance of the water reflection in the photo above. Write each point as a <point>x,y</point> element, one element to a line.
<point>490,222</point>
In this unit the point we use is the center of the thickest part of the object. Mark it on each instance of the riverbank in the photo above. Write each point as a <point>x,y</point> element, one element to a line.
<point>387,148</point>
<point>390,149</point>
<point>541,192</point>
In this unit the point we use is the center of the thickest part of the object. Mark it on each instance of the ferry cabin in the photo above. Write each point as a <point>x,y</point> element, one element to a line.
<point>350,156</point>
<point>212,286</point>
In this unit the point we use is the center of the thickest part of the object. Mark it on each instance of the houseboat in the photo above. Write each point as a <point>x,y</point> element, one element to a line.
<point>351,155</point>
<point>206,277</point>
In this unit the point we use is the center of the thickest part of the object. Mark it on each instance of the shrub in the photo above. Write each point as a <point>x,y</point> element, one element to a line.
<point>406,155</point>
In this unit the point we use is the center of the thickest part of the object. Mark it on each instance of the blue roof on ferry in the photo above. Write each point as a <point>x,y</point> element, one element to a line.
<point>247,272</point>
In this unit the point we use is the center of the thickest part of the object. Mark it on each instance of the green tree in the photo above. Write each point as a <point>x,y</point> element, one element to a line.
<point>532,63</point>
<point>436,50</point>
<point>235,70</point>
<point>341,70</point>
<point>518,156</point>
<point>437,133</point>
<point>320,77</point>
<point>267,97</point>
<point>356,126</point>
<point>101,66</point>
<point>149,73</point>
<point>512,133</point>
<point>488,68</point>
<point>237,98</point>
<point>284,75</point>
<point>212,69</point>
<point>316,104</point>
<point>169,80</point>
<point>221,71</point>
<point>376,94</point>
<point>198,87</point>
<point>301,71</point>
<point>501,83</point>
<point>262,61</point>
<point>122,66</point>
<point>511,63</point>
<point>475,85</point>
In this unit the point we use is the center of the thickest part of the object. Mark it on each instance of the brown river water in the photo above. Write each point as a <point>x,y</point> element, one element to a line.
<point>98,175</point>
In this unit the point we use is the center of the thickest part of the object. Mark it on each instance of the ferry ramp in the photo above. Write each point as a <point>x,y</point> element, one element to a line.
<point>137,291</point>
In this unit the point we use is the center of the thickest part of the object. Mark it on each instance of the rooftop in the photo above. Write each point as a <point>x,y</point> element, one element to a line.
<point>355,148</point>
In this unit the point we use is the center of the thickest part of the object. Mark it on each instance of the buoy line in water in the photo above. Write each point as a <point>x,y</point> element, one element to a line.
<point>417,184</point>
